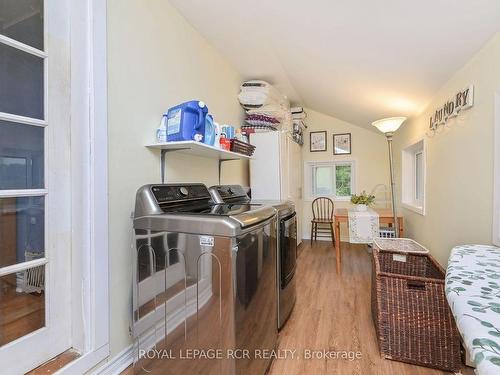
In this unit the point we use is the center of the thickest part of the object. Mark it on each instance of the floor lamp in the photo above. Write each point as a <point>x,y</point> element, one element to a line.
<point>388,126</point>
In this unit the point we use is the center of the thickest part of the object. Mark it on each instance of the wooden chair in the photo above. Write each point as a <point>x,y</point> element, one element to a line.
<point>322,209</point>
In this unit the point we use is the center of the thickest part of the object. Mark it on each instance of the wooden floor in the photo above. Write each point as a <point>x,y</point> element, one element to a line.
<point>20,313</point>
<point>55,364</point>
<point>333,313</point>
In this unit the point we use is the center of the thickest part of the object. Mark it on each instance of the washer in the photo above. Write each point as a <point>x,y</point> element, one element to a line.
<point>286,242</point>
<point>204,279</point>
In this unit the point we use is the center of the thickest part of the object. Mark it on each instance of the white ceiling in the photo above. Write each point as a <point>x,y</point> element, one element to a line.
<point>357,60</point>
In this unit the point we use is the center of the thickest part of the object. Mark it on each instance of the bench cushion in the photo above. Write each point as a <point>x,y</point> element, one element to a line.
<point>473,293</point>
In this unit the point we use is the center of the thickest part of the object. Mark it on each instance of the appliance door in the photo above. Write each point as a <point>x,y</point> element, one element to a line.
<point>183,289</point>
<point>288,248</point>
<point>256,298</point>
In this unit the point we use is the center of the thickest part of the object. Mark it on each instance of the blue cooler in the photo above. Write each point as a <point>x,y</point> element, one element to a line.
<point>186,122</point>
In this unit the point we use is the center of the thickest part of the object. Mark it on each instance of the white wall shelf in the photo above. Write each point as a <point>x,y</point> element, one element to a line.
<point>195,149</point>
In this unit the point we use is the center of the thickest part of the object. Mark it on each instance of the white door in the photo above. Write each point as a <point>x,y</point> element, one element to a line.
<point>265,169</point>
<point>35,220</point>
<point>294,161</point>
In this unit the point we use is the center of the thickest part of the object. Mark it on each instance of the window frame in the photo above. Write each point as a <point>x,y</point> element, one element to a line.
<point>409,178</point>
<point>309,182</point>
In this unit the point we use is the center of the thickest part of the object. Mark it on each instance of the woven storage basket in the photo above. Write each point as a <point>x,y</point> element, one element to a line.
<point>405,245</point>
<point>242,147</point>
<point>412,319</point>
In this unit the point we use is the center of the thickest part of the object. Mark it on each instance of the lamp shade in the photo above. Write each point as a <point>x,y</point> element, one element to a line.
<point>389,125</point>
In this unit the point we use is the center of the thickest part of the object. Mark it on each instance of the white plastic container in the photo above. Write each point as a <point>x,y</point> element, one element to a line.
<point>161,132</point>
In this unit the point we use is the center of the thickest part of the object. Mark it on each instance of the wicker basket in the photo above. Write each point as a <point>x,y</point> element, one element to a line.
<point>405,245</point>
<point>242,147</point>
<point>412,319</point>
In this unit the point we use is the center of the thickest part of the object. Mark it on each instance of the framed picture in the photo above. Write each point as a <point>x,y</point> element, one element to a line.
<point>342,144</point>
<point>317,141</point>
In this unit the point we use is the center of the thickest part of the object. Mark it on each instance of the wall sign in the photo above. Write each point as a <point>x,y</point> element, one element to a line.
<point>464,99</point>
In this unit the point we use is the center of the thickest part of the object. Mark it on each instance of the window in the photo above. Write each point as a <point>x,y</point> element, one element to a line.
<point>413,160</point>
<point>330,179</point>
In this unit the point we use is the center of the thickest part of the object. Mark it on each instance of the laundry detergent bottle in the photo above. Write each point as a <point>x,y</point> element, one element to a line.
<point>161,132</point>
<point>186,122</point>
<point>209,130</point>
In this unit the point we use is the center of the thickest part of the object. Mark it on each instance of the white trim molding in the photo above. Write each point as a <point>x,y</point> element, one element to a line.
<point>409,179</point>
<point>496,184</point>
<point>89,139</point>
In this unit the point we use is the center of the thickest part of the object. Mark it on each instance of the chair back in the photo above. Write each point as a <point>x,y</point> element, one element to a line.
<point>322,208</point>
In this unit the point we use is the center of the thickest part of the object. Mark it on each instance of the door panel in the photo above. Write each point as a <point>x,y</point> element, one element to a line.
<point>295,182</point>
<point>35,183</point>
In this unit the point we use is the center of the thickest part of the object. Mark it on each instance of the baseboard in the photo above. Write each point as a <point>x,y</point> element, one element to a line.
<point>117,364</point>
<point>326,238</point>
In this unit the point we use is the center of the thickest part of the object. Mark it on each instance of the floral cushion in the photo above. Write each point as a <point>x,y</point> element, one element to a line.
<point>473,293</point>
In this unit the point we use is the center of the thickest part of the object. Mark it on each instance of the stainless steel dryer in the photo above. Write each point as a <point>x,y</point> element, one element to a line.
<point>286,242</point>
<point>205,278</point>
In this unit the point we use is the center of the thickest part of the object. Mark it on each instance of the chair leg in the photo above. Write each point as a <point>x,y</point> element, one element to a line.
<point>332,233</point>
<point>312,231</point>
<point>316,232</point>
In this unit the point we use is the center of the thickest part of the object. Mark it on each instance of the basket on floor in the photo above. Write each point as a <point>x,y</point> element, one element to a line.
<point>412,318</point>
<point>405,245</point>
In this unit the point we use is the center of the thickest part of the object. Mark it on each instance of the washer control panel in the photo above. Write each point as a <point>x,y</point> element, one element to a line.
<point>170,193</point>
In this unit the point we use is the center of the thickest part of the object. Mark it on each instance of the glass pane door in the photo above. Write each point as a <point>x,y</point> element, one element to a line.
<point>34,183</point>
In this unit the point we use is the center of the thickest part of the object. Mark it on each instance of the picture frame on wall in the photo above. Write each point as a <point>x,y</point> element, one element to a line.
<point>342,144</point>
<point>317,141</point>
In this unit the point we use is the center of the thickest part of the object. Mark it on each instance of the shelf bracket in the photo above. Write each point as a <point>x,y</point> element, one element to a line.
<point>163,160</point>
<point>162,165</point>
<point>220,167</point>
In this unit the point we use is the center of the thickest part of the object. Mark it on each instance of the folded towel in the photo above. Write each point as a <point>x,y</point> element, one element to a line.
<point>249,129</point>
<point>261,117</point>
<point>299,116</point>
<point>275,110</point>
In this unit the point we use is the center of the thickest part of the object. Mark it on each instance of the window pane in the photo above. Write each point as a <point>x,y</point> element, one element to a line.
<point>22,303</point>
<point>21,82</point>
<point>21,156</point>
<point>21,230</point>
<point>343,180</point>
<point>419,181</point>
<point>22,20</point>
<point>323,181</point>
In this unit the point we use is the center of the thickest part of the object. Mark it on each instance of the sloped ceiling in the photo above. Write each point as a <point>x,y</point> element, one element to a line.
<point>357,60</point>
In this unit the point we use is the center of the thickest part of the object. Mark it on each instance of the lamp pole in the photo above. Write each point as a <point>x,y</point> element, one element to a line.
<point>393,183</point>
<point>388,126</point>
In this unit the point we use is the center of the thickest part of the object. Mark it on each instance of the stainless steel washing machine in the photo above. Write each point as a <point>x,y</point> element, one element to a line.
<point>204,280</point>
<point>286,242</point>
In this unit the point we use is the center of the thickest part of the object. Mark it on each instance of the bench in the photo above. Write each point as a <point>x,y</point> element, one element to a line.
<point>473,293</point>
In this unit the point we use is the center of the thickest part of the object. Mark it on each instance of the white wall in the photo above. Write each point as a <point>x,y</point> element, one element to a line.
<point>459,189</point>
<point>369,151</point>
<point>155,60</point>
